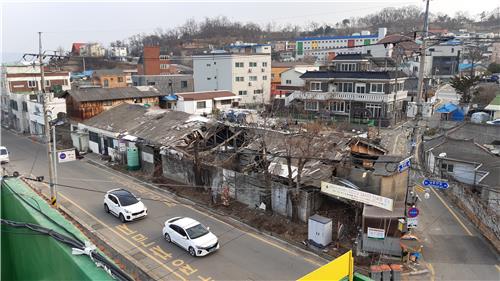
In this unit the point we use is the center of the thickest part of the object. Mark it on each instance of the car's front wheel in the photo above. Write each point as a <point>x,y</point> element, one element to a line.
<point>192,251</point>
<point>167,238</point>
<point>106,209</point>
<point>122,218</point>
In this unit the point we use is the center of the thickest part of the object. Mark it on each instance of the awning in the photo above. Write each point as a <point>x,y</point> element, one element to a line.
<point>129,138</point>
<point>447,108</point>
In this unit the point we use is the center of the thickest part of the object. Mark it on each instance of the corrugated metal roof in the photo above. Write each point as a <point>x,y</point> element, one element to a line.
<point>102,94</point>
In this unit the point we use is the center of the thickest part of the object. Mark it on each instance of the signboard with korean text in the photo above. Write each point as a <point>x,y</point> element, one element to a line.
<point>441,184</point>
<point>66,155</point>
<point>357,195</point>
<point>403,165</point>
<point>376,233</point>
<point>412,222</point>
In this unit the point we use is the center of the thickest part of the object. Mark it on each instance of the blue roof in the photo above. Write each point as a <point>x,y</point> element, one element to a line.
<point>169,98</point>
<point>338,37</point>
<point>463,66</point>
<point>447,108</point>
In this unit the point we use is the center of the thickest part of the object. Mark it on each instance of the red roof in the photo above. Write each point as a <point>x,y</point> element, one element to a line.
<point>191,96</point>
<point>76,47</point>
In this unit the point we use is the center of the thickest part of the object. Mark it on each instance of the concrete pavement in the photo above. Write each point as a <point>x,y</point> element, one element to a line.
<point>244,254</point>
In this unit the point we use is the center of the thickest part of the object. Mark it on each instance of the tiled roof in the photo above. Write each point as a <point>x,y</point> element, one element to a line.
<point>353,74</point>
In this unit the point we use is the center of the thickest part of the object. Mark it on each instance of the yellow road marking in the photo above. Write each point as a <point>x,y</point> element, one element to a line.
<point>124,238</point>
<point>313,262</point>
<point>453,213</point>
<point>497,266</point>
<point>216,219</point>
<point>420,188</point>
<point>433,273</point>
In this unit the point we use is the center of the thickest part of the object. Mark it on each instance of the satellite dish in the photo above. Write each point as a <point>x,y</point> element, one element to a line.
<point>442,154</point>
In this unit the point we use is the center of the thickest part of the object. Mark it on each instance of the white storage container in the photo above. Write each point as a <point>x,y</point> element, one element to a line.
<point>320,230</point>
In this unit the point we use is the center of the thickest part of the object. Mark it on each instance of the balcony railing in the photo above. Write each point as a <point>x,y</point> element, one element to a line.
<point>364,97</point>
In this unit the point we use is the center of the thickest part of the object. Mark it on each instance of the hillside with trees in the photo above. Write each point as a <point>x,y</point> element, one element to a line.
<point>220,31</point>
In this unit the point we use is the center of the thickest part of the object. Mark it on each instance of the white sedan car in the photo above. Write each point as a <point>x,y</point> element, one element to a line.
<point>190,235</point>
<point>493,122</point>
<point>4,155</point>
<point>124,205</point>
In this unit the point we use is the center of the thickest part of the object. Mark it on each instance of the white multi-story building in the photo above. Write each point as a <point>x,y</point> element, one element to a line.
<point>325,48</point>
<point>118,52</point>
<point>247,75</point>
<point>35,113</point>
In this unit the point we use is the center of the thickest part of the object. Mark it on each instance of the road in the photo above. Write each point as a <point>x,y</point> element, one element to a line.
<point>244,254</point>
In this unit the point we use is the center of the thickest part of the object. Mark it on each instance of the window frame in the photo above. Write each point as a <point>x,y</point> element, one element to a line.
<point>314,89</point>
<point>307,108</point>
<point>201,102</point>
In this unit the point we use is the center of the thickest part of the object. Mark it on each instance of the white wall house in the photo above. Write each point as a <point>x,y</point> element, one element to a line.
<point>35,113</point>
<point>118,52</point>
<point>246,75</point>
<point>291,77</point>
<point>205,102</point>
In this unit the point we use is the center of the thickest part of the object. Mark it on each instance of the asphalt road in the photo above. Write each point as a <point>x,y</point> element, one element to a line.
<point>244,254</point>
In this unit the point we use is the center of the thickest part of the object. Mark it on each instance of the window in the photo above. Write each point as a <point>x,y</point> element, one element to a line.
<point>311,105</point>
<point>264,77</point>
<point>360,88</point>
<point>252,78</point>
<point>120,79</point>
<point>13,104</point>
<point>93,137</point>
<point>377,88</point>
<point>447,167</point>
<point>209,78</point>
<point>315,86</point>
<point>201,104</point>
<point>288,82</point>
<point>264,64</point>
<point>113,199</point>
<point>374,109</point>
<point>239,78</point>
<point>209,65</point>
<point>242,93</point>
<point>25,106</point>
<point>346,87</point>
<point>138,100</point>
<point>272,76</point>
<point>31,84</point>
<point>337,106</point>
<point>151,83</point>
<point>348,67</point>
<point>47,83</point>
<point>184,84</point>
<point>164,66</point>
<point>106,83</point>
<point>257,92</point>
<point>107,103</point>
<point>239,64</point>
<point>225,102</point>
<point>252,64</point>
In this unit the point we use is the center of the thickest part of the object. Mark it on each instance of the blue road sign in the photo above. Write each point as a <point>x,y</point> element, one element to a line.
<point>403,165</point>
<point>413,212</point>
<point>435,183</point>
<point>62,155</point>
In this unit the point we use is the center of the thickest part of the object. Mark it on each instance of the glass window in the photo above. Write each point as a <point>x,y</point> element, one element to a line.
<point>360,88</point>
<point>288,82</point>
<point>197,231</point>
<point>253,78</point>
<point>257,92</point>
<point>3,151</point>
<point>264,64</point>
<point>242,93</point>
<point>377,88</point>
<point>151,83</point>
<point>93,137</point>
<point>264,77</point>
<point>201,104</point>
<point>120,79</point>
<point>315,86</point>
<point>106,83</point>
<point>31,84</point>
<point>311,105</point>
<point>253,64</point>
<point>239,64</point>
<point>184,84</point>
<point>239,78</point>
<point>347,87</point>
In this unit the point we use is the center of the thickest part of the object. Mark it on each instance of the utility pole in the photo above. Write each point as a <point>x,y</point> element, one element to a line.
<point>422,63</point>
<point>50,153</point>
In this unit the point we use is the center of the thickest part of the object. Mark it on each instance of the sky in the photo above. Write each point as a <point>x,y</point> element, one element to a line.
<point>65,22</point>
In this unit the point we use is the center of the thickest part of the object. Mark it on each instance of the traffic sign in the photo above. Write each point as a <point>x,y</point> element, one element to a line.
<point>403,165</point>
<point>413,212</point>
<point>435,183</point>
<point>411,222</point>
<point>66,155</point>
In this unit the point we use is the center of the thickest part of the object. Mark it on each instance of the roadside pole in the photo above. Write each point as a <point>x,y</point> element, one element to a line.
<point>53,199</point>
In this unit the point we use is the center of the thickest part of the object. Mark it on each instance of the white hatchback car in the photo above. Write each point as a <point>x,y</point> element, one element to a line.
<point>125,205</point>
<point>4,155</point>
<point>190,235</point>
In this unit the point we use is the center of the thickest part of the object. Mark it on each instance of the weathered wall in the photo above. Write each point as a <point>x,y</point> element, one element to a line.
<point>147,159</point>
<point>485,218</point>
<point>178,168</point>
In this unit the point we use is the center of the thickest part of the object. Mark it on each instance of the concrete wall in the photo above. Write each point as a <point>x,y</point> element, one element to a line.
<point>147,158</point>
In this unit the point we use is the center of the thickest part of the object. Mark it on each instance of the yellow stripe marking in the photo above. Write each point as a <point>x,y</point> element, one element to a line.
<point>124,238</point>
<point>433,273</point>
<point>497,266</point>
<point>216,219</point>
<point>453,213</point>
<point>313,262</point>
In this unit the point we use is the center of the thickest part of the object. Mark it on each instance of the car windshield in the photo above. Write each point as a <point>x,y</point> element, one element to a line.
<point>3,151</point>
<point>196,231</point>
<point>127,199</point>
